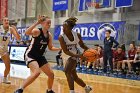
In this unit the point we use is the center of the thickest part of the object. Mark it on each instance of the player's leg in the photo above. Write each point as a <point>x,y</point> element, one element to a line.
<point>75,76</point>
<point>129,62</point>
<point>68,72</point>
<point>123,64</point>
<point>101,63</point>
<point>6,59</point>
<point>80,81</point>
<point>48,71</point>
<point>114,65</point>
<point>119,63</point>
<point>57,59</point>
<point>110,61</point>
<point>105,59</point>
<point>34,67</point>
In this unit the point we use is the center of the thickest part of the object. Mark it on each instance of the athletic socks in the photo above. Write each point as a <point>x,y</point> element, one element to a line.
<point>72,91</point>
<point>6,81</point>
<point>88,89</point>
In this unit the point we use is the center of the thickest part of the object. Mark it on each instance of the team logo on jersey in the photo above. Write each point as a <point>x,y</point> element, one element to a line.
<point>102,29</point>
<point>43,42</point>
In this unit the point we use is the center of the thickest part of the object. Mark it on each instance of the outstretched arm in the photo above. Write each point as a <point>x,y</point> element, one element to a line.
<point>31,30</point>
<point>50,45</point>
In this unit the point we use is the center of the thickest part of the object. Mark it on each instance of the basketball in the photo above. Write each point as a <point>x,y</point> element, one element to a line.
<point>91,55</point>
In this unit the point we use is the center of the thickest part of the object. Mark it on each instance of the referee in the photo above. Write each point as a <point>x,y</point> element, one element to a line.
<point>108,46</point>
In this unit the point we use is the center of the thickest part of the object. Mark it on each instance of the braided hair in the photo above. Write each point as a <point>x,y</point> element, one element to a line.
<point>71,21</point>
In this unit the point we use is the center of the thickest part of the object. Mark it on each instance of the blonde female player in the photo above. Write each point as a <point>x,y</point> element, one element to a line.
<point>68,41</point>
<point>41,38</point>
<point>5,34</point>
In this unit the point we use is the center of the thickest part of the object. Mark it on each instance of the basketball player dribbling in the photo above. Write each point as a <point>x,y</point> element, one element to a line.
<point>68,41</point>
<point>5,34</point>
<point>41,38</point>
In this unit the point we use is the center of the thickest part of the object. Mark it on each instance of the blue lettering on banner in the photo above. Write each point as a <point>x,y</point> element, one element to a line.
<point>93,31</point>
<point>123,3</point>
<point>21,31</point>
<point>60,5</point>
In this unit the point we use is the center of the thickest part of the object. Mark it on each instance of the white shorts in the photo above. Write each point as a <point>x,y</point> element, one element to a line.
<point>66,57</point>
<point>3,51</point>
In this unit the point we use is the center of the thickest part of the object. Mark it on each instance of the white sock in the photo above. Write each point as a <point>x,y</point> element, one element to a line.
<point>21,88</point>
<point>87,86</point>
<point>72,91</point>
<point>5,78</point>
<point>49,89</point>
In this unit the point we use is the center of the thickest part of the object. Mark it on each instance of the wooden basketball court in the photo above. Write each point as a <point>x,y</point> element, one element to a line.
<point>100,84</point>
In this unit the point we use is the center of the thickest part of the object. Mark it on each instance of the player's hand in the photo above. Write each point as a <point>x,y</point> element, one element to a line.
<point>40,19</point>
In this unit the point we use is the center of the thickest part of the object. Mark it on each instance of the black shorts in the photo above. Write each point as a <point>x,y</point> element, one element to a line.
<point>41,60</point>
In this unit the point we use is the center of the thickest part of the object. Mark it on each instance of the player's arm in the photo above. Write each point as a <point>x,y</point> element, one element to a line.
<point>31,30</point>
<point>81,43</point>
<point>15,33</point>
<point>135,59</point>
<point>116,43</point>
<point>50,45</point>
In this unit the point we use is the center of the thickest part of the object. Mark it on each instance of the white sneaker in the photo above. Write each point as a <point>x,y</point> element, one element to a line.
<point>6,81</point>
<point>88,89</point>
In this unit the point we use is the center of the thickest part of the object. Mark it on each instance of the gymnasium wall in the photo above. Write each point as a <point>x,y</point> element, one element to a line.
<point>130,15</point>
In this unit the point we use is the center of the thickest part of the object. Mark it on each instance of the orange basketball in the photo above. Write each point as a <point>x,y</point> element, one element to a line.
<point>91,55</point>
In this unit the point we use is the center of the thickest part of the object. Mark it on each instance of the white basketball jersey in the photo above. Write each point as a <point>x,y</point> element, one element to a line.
<point>4,37</point>
<point>71,45</point>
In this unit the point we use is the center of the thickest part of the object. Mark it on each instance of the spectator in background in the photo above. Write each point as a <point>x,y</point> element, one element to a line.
<point>136,65</point>
<point>90,64</point>
<point>130,59</point>
<point>28,42</point>
<point>58,58</point>
<point>96,46</point>
<point>22,43</point>
<point>99,62</point>
<point>108,47</point>
<point>119,56</point>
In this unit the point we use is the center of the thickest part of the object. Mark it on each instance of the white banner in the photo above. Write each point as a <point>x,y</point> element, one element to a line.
<point>17,53</point>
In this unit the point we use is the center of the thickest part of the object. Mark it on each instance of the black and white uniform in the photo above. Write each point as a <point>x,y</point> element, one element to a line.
<point>4,40</point>
<point>36,49</point>
<point>71,46</point>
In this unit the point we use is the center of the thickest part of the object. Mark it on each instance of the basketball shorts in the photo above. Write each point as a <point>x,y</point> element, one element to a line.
<point>41,60</point>
<point>3,51</point>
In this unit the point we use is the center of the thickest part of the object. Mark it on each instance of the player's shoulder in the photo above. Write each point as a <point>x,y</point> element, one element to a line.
<point>111,37</point>
<point>36,30</point>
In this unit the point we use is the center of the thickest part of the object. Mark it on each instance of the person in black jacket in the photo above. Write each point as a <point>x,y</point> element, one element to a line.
<point>108,49</point>
<point>58,57</point>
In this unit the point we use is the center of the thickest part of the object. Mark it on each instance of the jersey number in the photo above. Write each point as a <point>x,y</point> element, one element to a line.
<point>41,47</point>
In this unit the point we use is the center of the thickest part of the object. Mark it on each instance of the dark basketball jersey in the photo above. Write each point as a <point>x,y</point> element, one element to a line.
<point>38,44</point>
